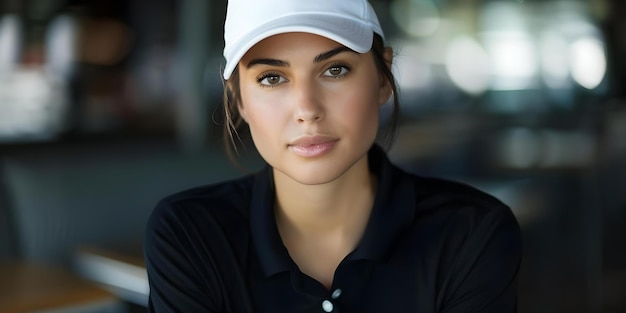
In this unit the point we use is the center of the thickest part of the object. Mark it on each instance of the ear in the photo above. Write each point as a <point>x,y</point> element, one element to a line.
<point>386,92</point>
<point>388,55</point>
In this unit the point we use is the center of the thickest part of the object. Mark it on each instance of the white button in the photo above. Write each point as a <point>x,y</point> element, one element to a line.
<point>327,306</point>
<point>336,294</point>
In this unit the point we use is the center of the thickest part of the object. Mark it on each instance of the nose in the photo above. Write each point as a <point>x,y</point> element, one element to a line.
<point>308,104</point>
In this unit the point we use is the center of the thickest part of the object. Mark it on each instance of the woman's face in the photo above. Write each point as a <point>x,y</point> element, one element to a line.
<point>311,105</point>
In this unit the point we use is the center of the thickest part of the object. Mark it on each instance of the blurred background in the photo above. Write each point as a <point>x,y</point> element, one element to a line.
<point>107,106</point>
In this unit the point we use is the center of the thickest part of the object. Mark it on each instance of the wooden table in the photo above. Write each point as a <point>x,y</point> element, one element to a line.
<point>31,287</point>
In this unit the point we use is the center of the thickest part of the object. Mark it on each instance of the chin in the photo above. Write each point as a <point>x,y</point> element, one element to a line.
<point>314,179</point>
<point>309,174</point>
<point>317,172</point>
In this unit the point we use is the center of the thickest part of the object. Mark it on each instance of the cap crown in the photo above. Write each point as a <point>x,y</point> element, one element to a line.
<point>349,22</point>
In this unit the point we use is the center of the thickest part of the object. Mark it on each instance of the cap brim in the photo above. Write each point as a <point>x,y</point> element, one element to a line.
<point>353,34</point>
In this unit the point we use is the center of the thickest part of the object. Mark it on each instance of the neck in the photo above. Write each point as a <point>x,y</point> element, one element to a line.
<point>340,207</point>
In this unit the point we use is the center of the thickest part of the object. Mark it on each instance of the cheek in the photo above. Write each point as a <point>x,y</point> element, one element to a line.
<point>361,106</point>
<point>262,113</point>
<point>362,115</point>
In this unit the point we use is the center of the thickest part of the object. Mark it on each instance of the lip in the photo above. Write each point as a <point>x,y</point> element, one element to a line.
<point>312,146</point>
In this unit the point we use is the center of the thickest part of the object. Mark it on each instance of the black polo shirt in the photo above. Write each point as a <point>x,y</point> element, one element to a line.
<point>430,246</point>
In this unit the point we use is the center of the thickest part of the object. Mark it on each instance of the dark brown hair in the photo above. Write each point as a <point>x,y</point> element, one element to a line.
<point>233,121</point>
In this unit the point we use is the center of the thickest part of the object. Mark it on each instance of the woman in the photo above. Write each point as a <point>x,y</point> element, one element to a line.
<point>329,225</point>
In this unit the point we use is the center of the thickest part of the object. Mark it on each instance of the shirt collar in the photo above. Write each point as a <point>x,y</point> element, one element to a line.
<point>393,211</point>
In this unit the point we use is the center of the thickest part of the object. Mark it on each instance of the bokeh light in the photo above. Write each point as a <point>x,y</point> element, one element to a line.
<point>588,62</point>
<point>468,65</point>
<point>555,68</point>
<point>10,41</point>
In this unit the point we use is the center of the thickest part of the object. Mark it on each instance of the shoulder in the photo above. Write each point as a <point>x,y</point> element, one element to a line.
<point>467,220</point>
<point>459,213</point>
<point>202,236</point>
<point>201,223</point>
<point>457,197</point>
<point>474,242</point>
<point>465,225</point>
<point>224,202</point>
<point>444,205</point>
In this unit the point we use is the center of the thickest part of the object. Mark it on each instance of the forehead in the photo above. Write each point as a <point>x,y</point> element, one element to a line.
<point>286,43</point>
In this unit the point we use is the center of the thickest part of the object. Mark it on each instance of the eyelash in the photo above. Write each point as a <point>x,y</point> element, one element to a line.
<point>267,75</point>
<point>264,76</point>
<point>339,65</point>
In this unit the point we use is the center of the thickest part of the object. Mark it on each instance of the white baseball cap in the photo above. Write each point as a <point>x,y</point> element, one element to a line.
<point>351,23</point>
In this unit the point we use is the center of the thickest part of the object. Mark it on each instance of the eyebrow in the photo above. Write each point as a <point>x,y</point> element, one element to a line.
<point>319,58</point>
<point>272,62</point>
<point>327,55</point>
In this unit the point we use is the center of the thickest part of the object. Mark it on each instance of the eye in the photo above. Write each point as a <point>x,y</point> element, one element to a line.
<point>336,71</point>
<point>270,79</point>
